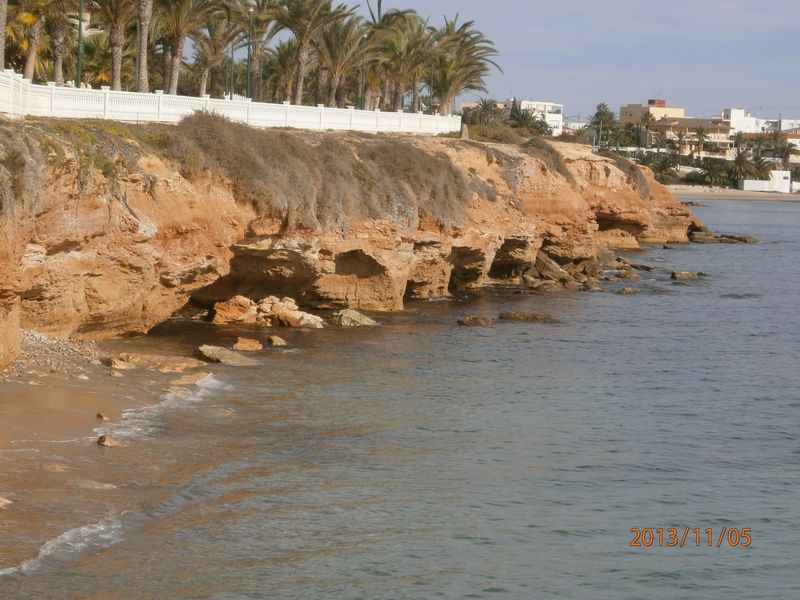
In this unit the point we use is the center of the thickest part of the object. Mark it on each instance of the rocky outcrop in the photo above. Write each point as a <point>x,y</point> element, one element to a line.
<point>112,252</point>
<point>352,318</point>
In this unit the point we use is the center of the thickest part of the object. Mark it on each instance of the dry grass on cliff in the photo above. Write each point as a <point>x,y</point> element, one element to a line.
<point>21,162</point>
<point>635,176</point>
<point>313,180</point>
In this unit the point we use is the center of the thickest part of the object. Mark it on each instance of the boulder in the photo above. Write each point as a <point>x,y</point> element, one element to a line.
<point>236,310</point>
<point>275,340</point>
<point>160,362</point>
<point>216,354</point>
<point>527,316</point>
<point>686,275</point>
<point>192,379</point>
<point>547,268</point>
<point>628,274</point>
<point>627,291</point>
<point>247,345</point>
<point>107,441</point>
<point>298,319</point>
<point>352,318</point>
<point>476,321</point>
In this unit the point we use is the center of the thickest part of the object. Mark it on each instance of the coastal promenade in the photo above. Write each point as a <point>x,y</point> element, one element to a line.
<point>19,97</point>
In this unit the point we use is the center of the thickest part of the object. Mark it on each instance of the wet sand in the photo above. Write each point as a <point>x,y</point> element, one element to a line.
<point>696,192</point>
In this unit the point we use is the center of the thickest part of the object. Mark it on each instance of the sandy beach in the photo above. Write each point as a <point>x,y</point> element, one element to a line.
<point>691,191</point>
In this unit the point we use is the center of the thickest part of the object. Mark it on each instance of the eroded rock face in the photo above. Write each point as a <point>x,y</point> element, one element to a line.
<point>113,257</point>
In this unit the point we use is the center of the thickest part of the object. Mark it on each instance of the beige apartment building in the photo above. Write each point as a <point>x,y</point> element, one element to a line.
<point>632,113</point>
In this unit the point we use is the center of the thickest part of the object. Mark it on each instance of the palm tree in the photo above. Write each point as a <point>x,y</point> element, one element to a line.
<point>742,165</point>
<point>762,168</point>
<point>603,119</point>
<point>739,140</point>
<point>58,23</point>
<point>3,20</point>
<point>180,19</point>
<point>462,61</point>
<point>680,138</point>
<point>116,15</point>
<point>714,173</point>
<point>306,19</point>
<point>282,67</point>
<point>665,168</point>
<point>342,49</point>
<point>647,120</point>
<point>32,15</point>
<point>212,43</point>
<point>404,49</point>
<point>145,16</point>
<point>776,139</point>
<point>759,142</point>
<point>701,137</point>
<point>487,111</point>
<point>786,151</point>
<point>264,29</point>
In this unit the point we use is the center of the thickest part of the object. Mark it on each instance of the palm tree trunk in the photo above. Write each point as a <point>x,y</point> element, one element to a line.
<point>58,34</point>
<point>323,81</point>
<point>334,87</point>
<point>303,56</point>
<point>204,81</point>
<point>145,16</point>
<point>175,68</point>
<point>34,36</point>
<point>3,18</point>
<point>415,95</point>
<point>445,105</point>
<point>117,39</point>
<point>399,96</point>
<point>166,66</point>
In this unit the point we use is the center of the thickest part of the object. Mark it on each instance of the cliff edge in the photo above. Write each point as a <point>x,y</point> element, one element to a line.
<point>107,229</point>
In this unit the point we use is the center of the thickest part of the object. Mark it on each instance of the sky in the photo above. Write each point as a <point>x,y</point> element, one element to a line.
<point>703,55</point>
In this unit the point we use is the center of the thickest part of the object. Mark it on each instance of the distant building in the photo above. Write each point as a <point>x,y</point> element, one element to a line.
<point>741,121</point>
<point>718,141</point>
<point>632,113</point>
<point>552,113</point>
<point>744,122</point>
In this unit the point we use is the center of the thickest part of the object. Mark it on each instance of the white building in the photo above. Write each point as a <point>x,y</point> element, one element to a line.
<point>739,120</point>
<point>779,181</point>
<point>551,112</point>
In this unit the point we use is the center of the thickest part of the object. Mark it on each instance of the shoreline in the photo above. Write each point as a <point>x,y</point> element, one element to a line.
<point>697,192</point>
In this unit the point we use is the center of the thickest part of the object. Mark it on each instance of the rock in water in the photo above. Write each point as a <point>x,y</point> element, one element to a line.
<point>275,340</point>
<point>192,379</point>
<point>216,354</point>
<point>686,276</point>
<point>101,417</point>
<point>247,345</point>
<point>236,310</point>
<point>352,318</point>
<point>298,319</point>
<point>107,441</point>
<point>476,321</point>
<point>529,317</point>
<point>627,291</point>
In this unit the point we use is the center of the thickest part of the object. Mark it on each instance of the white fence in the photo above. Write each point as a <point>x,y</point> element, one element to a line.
<point>21,97</point>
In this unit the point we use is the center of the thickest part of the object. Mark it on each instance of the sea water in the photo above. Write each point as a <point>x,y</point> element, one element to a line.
<point>426,460</point>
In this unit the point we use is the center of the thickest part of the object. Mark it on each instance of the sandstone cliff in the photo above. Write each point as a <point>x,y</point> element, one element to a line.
<point>108,230</point>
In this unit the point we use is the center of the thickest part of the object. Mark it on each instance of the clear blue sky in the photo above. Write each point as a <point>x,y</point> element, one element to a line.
<point>704,55</point>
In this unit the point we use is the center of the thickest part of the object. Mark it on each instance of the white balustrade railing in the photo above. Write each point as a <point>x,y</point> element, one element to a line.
<point>23,98</point>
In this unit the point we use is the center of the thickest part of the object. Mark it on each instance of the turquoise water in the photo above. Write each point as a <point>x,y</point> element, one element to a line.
<point>424,460</point>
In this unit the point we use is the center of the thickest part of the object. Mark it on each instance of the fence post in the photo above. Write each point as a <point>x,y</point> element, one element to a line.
<point>105,89</point>
<point>352,110</point>
<point>286,106</point>
<point>160,99</point>
<point>207,98</point>
<point>52,87</point>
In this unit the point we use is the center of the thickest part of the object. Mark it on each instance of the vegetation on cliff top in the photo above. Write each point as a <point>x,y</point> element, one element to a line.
<point>307,179</point>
